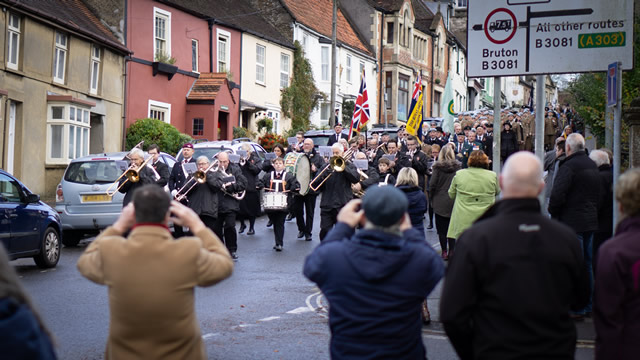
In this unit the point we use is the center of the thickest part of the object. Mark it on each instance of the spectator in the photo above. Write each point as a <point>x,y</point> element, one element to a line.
<point>376,279</point>
<point>151,277</point>
<point>617,295</point>
<point>473,190</point>
<point>605,203</point>
<point>574,200</point>
<point>443,172</point>
<point>508,142</point>
<point>408,182</point>
<point>514,277</point>
<point>23,333</point>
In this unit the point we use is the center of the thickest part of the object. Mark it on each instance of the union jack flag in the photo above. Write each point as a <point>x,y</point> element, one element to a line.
<point>361,109</point>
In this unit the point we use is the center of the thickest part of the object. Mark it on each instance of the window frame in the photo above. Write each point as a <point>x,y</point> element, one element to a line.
<point>348,63</point>
<point>227,57</point>
<point>323,106</point>
<point>261,65</point>
<point>95,73</point>
<point>160,106</point>
<point>59,49</point>
<point>75,136</point>
<point>195,58</point>
<point>390,31</point>
<point>157,12</point>
<point>12,30</point>
<point>388,88</point>
<point>403,80</point>
<point>324,68</point>
<point>201,127</point>
<point>282,69</point>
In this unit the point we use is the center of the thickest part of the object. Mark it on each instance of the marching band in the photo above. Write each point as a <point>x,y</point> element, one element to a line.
<point>230,187</point>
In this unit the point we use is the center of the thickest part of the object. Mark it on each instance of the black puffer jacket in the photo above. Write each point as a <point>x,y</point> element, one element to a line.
<point>575,193</point>
<point>203,199</point>
<point>336,191</point>
<point>443,173</point>
<point>226,202</point>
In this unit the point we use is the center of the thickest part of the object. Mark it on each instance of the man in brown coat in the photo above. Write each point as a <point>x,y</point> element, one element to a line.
<point>152,276</point>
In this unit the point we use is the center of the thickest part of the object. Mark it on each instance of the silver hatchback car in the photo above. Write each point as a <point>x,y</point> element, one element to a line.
<point>81,198</point>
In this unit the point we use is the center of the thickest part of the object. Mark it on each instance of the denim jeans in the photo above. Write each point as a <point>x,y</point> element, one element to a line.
<point>586,243</point>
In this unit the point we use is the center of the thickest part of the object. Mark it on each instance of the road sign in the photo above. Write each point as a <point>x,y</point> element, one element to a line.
<point>523,37</point>
<point>612,84</point>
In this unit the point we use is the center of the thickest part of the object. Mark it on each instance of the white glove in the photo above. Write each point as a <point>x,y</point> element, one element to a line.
<point>173,193</point>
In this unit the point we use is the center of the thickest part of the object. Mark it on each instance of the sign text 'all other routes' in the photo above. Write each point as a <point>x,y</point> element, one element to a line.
<point>525,37</point>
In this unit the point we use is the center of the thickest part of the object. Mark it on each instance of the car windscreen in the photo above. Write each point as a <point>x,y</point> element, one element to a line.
<point>318,140</point>
<point>93,172</point>
<point>208,152</point>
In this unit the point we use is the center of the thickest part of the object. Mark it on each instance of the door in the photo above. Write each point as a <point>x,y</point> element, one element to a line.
<point>11,141</point>
<point>21,218</point>
<point>222,125</point>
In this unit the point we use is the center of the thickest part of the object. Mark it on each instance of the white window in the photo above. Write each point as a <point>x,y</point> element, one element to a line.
<point>13,41</point>
<point>194,55</point>
<point>224,38</point>
<point>95,69</point>
<point>161,33</point>
<point>305,41</point>
<point>324,52</point>
<point>284,70</point>
<point>67,132</point>
<point>260,57</point>
<point>160,110</point>
<point>349,69</point>
<point>60,57</point>
<point>275,116</point>
<point>325,111</point>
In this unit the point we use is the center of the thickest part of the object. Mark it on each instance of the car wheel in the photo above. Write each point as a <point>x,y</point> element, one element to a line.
<point>49,249</point>
<point>71,238</point>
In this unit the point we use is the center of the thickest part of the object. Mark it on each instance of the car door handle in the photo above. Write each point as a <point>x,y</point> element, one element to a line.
<point>13,215</point>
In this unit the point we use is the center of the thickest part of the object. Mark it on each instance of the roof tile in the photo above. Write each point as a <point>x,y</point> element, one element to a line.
<point>207,86</point>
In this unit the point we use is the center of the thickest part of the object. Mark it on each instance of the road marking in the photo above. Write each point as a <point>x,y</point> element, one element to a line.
<point>299,310</point>
<point>209,335</point>
<point>270,318</point>
<point>320,307</point>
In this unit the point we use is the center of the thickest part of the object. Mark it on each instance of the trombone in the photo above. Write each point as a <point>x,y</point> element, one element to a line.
<point>132,174</point>
<point>336,164</point>
<point>198,177</point>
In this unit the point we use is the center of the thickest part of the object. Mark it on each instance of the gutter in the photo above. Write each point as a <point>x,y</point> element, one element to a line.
<point>210,23</point>
<point>380,93</point>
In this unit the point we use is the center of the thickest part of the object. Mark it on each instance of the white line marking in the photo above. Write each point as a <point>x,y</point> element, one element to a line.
<point>270,318</point>
<point>437,337</point>
<point>300,310</point>
<point>209,335</point>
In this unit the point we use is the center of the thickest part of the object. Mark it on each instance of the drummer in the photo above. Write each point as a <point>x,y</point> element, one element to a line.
<point>306,203</point>
<point>283,182</point>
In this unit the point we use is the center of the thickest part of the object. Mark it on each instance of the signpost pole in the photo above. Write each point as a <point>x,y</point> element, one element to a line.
<point>497,125</point>
<point>617,114</point>
<point>608,128</point>
<point>539,140</point>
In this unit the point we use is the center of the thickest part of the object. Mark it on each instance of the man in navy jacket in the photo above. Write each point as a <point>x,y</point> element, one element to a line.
<point>375,280</point>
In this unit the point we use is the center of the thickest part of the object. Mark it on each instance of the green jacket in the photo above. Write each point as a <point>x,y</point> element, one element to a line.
<point>474,190</point>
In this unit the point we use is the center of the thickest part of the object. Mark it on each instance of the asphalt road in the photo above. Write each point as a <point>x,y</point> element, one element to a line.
<point>265,310</point>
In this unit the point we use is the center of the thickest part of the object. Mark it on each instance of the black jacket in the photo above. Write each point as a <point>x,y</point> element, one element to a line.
<point>605,204</point>
<point>382,177</point>
<point>177,178</point>
<point>373,179</point>
<point>508,143</point>
<point>443,173</point>
<point>333,139</point>
<point>420,163</point>
<point>250,170</point>
<point>128,188</point>
<point>203,198</point>
<point>575,193</point>
<point>511,282</point>
<point>163,170</point>
<point>336,191</point>
<point>226,202</point>
<point>22,336</point>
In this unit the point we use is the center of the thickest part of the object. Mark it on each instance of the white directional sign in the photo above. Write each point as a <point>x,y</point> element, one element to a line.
<point>522,37</point>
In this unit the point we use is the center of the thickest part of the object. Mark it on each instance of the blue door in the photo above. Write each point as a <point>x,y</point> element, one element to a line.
<point>22,218</point>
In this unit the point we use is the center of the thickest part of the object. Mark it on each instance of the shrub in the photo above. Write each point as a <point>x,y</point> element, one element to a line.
<point>154,131</point>
<point>265,123</point>
<point>269,140</point>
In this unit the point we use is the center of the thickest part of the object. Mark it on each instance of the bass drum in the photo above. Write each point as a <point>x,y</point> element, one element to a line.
<point>298,165</point>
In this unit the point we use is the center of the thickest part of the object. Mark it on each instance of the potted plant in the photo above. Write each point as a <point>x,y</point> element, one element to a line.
<point>164,64</point>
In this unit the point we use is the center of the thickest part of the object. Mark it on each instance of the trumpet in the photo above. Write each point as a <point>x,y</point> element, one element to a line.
<point>198,177</point>
<point>336,164</point>
<point>132,174</point>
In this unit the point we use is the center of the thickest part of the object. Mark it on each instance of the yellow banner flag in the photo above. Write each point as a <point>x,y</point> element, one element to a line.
<point>415,119</point>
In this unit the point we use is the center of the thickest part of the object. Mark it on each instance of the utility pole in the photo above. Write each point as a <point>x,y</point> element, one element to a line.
<point>332,119</point>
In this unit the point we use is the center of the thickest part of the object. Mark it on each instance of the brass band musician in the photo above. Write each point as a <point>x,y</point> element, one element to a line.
<point>203,198</point>
<point>146,176</point>
<point>228,204</point>
<point>367,177</point>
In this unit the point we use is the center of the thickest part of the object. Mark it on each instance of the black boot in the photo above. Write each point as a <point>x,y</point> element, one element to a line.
<point>242,227</point>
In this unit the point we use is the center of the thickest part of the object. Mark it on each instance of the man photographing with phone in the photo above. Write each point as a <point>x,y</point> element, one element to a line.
<point>376,279</point>
<point>152,276</point>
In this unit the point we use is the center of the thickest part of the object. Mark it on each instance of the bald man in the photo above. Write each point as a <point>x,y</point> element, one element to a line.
<point>233,183</point>
<point>514,276</point>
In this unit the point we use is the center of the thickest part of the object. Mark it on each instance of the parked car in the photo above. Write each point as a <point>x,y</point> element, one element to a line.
<point>320,137</point>
<point>28,227</point>
<point>81,198</point>
<point>381,128</point>
<point>211,148</point>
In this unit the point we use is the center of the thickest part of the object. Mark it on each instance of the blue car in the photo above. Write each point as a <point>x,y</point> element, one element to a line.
<point>28,227</point>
